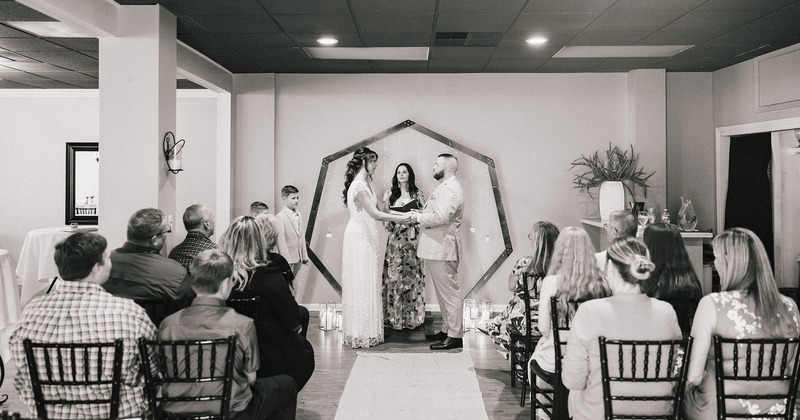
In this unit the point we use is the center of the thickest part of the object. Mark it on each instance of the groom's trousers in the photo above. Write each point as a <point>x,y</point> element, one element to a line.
<point>443,275</point>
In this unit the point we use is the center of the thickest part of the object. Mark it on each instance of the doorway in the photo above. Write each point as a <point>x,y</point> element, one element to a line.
<point>749,199</point>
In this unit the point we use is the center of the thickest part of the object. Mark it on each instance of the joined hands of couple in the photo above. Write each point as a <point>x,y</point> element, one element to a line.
<point>410,217</point>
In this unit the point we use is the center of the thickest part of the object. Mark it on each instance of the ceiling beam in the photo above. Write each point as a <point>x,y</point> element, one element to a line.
<point>98,17</point>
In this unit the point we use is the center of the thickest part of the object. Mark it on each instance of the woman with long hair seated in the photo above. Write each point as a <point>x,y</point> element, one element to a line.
<point>543,237</point>
<point>673,279</point>
<point>282,349</point>
<point>573,275</point>
<point>277,263</point>
<point>749,307</point>
<point>628,314</point>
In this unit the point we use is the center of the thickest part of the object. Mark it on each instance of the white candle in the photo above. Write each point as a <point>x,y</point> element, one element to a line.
<point>330,318</point>
<point>175,163</point>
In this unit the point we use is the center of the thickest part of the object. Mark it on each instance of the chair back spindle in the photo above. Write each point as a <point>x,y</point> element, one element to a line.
<point>188,379</point>
<point>760,372</point>
<point>646,372</point>
<point>72,366</point>
<point>522,343</point>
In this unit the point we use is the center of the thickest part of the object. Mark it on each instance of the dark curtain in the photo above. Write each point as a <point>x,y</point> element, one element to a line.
<point>749,202</point>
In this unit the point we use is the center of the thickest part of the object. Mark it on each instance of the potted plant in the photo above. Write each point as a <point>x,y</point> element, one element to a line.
<point>612,171</point>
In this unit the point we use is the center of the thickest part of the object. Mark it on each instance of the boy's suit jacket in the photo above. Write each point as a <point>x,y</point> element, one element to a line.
<point>440,221</point>
<point>295,239</point>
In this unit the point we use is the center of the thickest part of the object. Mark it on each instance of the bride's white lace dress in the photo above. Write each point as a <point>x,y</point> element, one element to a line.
<point>362,309</point>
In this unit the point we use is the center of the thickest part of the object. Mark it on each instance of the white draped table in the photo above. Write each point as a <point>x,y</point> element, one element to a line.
<point>9,296</point>
<point>37,268</point>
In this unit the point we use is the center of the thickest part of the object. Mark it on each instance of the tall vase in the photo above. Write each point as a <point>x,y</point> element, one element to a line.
<point>612,198</point>
<point>687,218</point>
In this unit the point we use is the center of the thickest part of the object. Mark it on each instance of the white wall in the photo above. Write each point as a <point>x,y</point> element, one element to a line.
<point>253,150</point>
<point>532,125</point>
<point>32,156</point>
<point>734,96</point>
<point>197,183</point>
<point>789,247</point>
<point>690,145</point>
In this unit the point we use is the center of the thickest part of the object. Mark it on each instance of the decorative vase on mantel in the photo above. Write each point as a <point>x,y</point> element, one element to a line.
<point>612,198</point>
<point>687,218</point>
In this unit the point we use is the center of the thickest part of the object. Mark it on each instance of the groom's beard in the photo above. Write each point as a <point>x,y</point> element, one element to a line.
<point>438,175</point>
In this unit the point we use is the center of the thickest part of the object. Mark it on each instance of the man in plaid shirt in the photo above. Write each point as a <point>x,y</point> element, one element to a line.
<point>199,223</point>
<point>80,311</point>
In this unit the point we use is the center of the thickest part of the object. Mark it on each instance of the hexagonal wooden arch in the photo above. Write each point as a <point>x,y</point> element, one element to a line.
<point>408,124</point>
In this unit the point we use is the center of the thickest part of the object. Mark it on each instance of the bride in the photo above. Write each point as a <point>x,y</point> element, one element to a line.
<point>362,309</point>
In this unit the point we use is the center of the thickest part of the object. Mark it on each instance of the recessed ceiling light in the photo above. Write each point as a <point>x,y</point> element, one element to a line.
<point>536,40</point>
<point>621,51</point>
<point>371,53</point>
<point>328,41</point>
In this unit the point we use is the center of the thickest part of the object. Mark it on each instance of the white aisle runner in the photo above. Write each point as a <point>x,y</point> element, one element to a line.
<point>400,386</point>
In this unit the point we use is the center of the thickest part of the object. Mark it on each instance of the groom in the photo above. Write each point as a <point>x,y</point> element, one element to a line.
<point>439,246</point>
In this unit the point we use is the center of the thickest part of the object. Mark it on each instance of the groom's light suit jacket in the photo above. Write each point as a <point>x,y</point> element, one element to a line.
<point>440,223</point>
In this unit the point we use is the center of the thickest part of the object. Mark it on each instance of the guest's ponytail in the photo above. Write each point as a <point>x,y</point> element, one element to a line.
<point>631,258</point>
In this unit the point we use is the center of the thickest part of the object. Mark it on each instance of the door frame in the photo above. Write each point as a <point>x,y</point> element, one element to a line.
<point>723,140</point>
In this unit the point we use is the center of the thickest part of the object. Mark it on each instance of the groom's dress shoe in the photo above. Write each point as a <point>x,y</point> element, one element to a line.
<point>448,343</point>
<point>440,336</point>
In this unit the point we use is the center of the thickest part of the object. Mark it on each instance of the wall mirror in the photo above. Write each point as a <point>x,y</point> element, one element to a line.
<point>83,182</point>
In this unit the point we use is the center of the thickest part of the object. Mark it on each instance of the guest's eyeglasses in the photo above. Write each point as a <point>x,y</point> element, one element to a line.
<point>530,236</point>
<point>169,229</point>
<point>607,227</point>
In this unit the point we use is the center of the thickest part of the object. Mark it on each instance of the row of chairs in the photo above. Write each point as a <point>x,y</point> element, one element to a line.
<point>158,309</point>
<point>522,343</point>
<point>204,365</point>
<point>186,362</point>
<point>650,363</point>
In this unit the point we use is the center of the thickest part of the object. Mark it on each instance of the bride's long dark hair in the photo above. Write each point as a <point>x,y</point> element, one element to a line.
<point>361,158</point>
<point>412,186</point>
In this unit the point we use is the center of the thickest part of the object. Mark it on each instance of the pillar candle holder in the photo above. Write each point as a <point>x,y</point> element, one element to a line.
<point>486,310</point>
<point>471,309</point>
<point>327,316</point>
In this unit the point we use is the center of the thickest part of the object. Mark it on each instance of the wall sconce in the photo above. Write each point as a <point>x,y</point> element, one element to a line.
<point>172,152</point>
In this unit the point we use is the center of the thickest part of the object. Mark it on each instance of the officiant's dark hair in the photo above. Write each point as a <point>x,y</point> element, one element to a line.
<point>412,186</point>
<point>361,157</point>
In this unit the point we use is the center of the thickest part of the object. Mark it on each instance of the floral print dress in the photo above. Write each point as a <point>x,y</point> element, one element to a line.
<point>512,319</point>
<point>403,281</point>
<point>735,319</point>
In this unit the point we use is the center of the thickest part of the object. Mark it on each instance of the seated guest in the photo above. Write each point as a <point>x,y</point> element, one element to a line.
<point>278,264</point>
<point>279,246</point>
<point>620,224</point>
<point>749,307</point>
<point>543,237</point>
<point>208,318</point>
<point>258,208</point>
<point>80,311</point>
<point>573,275</point>
<point>139,271</point>
<point>283,350</point>
<point>199,223</point>
<point>674,278</point>
<point>628,314</point>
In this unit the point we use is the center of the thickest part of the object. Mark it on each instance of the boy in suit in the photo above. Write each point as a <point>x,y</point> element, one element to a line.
<point>290,227</point>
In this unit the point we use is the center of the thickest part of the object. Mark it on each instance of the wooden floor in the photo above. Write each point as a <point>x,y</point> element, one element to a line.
<point>320,398</point>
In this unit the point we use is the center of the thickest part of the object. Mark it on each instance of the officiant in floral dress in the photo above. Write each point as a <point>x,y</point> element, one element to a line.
<point>403,281</point>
